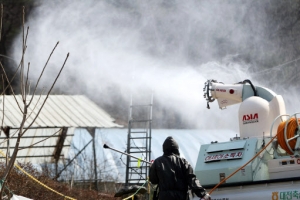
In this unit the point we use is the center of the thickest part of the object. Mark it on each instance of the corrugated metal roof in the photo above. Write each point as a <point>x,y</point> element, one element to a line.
<point>58,111</point>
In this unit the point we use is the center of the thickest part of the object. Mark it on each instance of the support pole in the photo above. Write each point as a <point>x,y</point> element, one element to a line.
<point>6,131</point>
<point>59,147</point>
<point>92,132</point>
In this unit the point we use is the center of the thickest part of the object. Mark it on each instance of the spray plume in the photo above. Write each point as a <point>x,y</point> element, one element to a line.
<point>123,48</point>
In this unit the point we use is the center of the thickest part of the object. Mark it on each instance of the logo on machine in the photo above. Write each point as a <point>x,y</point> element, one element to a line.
<point>220,90</point>
<point>251,118</point>
<point>224,156</point>
<point>286,195</point>
<point>274,195</point>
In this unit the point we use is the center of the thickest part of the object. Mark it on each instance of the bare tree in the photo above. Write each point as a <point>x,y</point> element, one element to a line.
<point>24,71</point>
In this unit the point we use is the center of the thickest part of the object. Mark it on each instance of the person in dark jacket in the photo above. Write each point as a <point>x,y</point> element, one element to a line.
<point>174,175</point>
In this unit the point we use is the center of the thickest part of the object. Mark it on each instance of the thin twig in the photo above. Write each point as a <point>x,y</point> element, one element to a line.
<point>20,64</point>
<point>3,106</point>
<point>5,56</point>
<point>10,87</point>
<point>40,140</point>
<point>43,71</point>
<point>24,50</point>
<point>3,92</point>
<point>34,107</point>
<point>40,109</point>
<point>26,83</point>
<point>1,17</point>
<point>15,152</point>
<point>22,59</point>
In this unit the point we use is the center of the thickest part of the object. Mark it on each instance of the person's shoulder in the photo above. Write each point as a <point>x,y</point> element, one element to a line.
<point>158,158</point>
<point>184,160</point>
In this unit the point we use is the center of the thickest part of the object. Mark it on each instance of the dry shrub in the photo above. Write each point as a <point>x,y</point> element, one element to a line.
<point>20,184</point>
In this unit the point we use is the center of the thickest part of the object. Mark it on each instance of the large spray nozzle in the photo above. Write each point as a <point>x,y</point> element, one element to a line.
<point>207,91</point>
<point>107,147</point>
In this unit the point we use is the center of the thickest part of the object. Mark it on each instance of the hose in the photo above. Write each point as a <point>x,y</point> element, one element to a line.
<point>252,86</point>
<point>292,127</point>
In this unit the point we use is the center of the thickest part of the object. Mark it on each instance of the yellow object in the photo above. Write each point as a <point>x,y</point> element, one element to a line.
<point>139,162</point>
<point>39,182</point>
<point>132,196</point>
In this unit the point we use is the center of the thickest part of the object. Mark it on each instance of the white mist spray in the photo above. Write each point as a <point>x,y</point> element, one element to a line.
<point>119,48</point>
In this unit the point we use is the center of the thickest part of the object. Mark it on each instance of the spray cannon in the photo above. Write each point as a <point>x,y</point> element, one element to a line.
<point>259,106</point>
<point>227,94</point>
<point>105,146</point>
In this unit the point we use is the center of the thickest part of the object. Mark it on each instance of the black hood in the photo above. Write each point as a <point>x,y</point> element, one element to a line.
<point>170,144</point>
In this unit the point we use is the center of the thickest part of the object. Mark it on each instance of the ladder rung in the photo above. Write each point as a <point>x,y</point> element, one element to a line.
<point>134,166</point>
<point>141,105</point>
<point>137,179</point>
<point>136,161</point>
<point>131,152</point>
<point>142,159</point>
<point>138,132</point>
<point>140,138</point>
<point>138,175</point>
<point>141,167</point>
<point>133,172</point>
<point>140,120</point>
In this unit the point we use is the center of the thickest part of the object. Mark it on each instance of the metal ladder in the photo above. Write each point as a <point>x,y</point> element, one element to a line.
<point>138,142</point>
